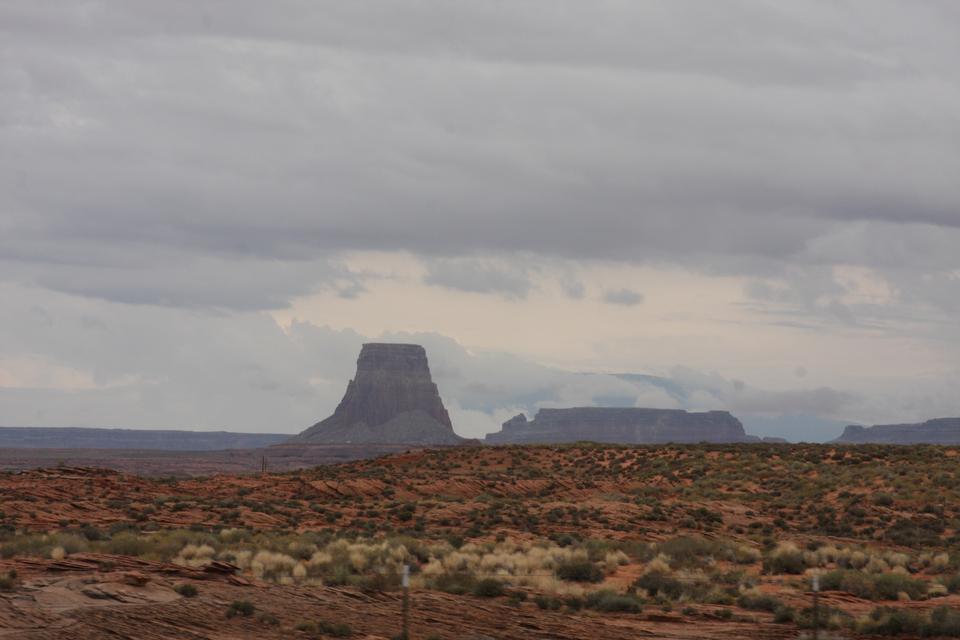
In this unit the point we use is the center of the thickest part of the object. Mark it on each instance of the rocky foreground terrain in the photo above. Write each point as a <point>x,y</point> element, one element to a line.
<point>159,463</point>
<point>584,541</point>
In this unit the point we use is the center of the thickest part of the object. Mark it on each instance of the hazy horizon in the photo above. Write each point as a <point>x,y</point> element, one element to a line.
<point>205,210</point>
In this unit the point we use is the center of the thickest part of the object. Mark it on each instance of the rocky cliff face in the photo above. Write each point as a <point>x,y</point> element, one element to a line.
<point>939,431</point>
<point>621,425</point>
<point>392,399</point>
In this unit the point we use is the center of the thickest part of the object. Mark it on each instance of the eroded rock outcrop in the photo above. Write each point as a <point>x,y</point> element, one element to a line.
<point>624,425</point>
<point>938,431</point>
<point>392,399</point>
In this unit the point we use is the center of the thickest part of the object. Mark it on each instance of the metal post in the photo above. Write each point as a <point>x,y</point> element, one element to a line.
<point>816,606</point>
<point>406,602</point>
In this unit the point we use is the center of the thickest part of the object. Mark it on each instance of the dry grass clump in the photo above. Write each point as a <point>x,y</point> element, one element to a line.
<point>194,555</point>
<point>545,567</point>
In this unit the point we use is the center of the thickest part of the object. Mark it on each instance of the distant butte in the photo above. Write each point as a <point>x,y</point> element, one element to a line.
<point>938,431</point>
<point>624,425</point>
<point>392,399</point>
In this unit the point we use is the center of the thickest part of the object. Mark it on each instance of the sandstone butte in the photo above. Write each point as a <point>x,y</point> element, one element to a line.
<point>391,399</point>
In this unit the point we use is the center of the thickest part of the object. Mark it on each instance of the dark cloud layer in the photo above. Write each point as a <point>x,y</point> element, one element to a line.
<point>723,137</point>
<point>169,170</point>
<point>478,276</point>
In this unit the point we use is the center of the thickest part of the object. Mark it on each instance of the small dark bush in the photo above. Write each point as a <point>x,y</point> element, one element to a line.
<point>455,583</point>
<point>8,582</point>
<point>883,500</point>
<point>240,608</point>
<point>785,562</point>
<point>579,571</point>
<point>759,602</point>
<point>547,603</point>
<point>186,590</point>
<point>335,629</point>
<point>784,615</point>
<point>953,584</point>
<point>659,584</point>
<point>611,602</point>
<point>488,588</point>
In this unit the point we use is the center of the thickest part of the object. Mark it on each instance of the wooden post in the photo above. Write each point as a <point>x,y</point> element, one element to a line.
<point>816,606</point>
<point>406,602</point>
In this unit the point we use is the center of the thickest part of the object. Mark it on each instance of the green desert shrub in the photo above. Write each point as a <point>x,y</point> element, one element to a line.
<point>335,629</point>
<point>455,583</point>
<point>488,588</point>
<point>8,581</point>
<point>953,584</point>
<point>759,602</point>
<point>548,603</point>
<point>243,608</point>
<point>785,558</point>
<point>127,544</point>
<point>883,499</point>
<point>784,615</point>
<point>889,586</point>
<point>579,571</point>
<point>659,584</point>
<point>886,621</point>
<point>613,602</point>
<point>855,582</point>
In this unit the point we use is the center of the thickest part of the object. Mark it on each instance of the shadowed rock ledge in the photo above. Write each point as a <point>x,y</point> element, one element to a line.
<point>625,425</point>
<point>392,399</point>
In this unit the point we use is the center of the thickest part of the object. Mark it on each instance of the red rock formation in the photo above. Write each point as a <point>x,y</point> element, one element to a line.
<point>392,399</point>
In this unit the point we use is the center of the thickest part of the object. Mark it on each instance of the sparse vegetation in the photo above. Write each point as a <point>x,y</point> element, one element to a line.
<point>8,580</point>
<point>243,608</point>
<point>710,531</point>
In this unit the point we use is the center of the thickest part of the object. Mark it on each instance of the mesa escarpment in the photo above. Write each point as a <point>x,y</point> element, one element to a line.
<point>624,425</point>
<point>391,399</point>
<point>938,431</point>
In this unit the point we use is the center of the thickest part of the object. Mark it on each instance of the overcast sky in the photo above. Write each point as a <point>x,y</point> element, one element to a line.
<point>206,207</point>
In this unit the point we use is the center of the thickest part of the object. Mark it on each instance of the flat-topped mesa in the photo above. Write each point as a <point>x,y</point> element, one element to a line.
<point>624,425</point>
<point>392,399</point>
<point>938,431</point>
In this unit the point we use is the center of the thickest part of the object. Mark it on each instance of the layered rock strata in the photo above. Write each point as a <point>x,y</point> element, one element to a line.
<point>391,399</point>
<point>625,425</point>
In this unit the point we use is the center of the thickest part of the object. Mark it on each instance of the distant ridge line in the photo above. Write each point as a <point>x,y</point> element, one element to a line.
<point>127,438</point>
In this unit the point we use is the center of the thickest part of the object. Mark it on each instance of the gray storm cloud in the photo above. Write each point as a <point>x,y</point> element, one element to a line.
<point>447,127</point>
<point>197,163</point>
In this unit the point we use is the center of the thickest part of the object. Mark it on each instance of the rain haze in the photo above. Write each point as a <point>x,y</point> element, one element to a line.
<point>207,207</point>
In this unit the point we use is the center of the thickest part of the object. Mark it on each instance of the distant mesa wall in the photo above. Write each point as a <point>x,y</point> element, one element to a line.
<point>391,399</point>
<point>152,439</point>
<point>625,425</point>
<point>938,431</point>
